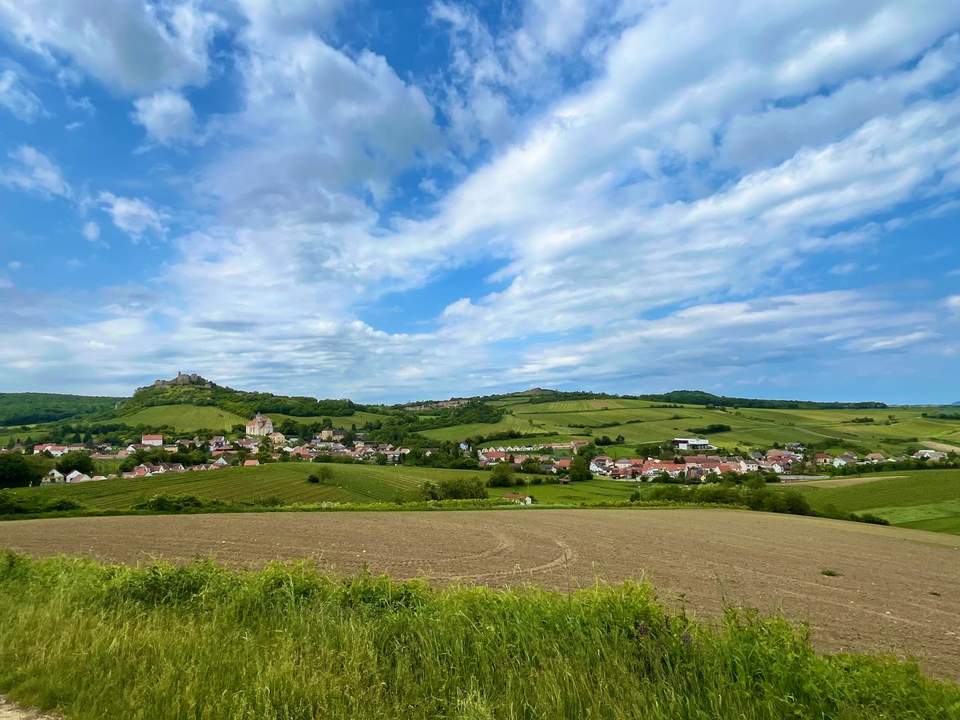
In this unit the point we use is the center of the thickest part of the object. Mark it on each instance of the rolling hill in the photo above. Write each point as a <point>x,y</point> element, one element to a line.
<point>29,408</point>
<point>285,481</point>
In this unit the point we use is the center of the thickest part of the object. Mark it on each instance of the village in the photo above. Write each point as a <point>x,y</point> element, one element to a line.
<point>692,464</point>
<point>687,459</point>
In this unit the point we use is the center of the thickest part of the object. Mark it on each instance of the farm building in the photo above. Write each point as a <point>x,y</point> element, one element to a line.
<point>77,477</point>
<point>692,444</point>
<point>54,476</point>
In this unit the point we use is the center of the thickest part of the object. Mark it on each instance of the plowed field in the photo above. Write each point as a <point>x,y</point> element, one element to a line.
<point>896,590</point>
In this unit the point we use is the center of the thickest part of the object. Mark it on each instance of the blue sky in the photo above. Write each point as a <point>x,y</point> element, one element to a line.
<point>390,201</point>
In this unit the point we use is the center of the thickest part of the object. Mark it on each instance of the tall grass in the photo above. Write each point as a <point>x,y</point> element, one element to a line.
<point>200,641</point>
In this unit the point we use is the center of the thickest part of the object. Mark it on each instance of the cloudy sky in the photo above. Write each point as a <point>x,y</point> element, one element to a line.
<point>391,201</point>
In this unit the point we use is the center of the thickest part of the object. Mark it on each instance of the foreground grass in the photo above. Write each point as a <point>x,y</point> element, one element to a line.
<point>199,641</point>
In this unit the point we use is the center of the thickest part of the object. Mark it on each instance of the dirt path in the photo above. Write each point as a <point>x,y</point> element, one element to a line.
<point>8,711</point>
<point>942,447</point>
<point>898,592</point>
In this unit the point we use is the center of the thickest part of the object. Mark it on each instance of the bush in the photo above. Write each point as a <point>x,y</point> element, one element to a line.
<point>501,475</point>
<point>177,503</point>
<point>11,504</point>
<point>455,489</point>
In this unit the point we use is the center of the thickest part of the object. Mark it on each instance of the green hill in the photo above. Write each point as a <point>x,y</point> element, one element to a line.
<point>286,481</point>
<point>30,408</point>
<point>197,391</point>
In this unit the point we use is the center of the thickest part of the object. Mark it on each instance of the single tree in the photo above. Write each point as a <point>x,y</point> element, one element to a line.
<point>15,471</point>
<point>580,470</point>
<point>76,461</point>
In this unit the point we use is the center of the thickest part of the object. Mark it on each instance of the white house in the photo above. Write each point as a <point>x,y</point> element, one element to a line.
<point>54,476</point>
<point>152,440</point>
<point>933,455</point>
<point>692,444</point>
<point>77,477</point>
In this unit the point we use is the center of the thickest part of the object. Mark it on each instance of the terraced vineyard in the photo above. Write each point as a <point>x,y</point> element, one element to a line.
<point>286,481</point>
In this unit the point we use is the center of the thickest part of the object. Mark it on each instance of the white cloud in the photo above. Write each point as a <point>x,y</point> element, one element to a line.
<point>277,18</point>
<point>91,231</point>
<point>640,234</point>
<point>33,171</point>
<point>17,99</point>
<point>844,268</point>
<point>953,303</point>
<point>132,215</point>
<point>132,46</point>
<point>167,116</point>
<point>318,123</point>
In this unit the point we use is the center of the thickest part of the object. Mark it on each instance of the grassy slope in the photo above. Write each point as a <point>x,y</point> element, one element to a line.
<point>640,422</point>
<point>184,418</point>
<point>197,641</point>
<point>923,499</point>
<point>358,418</point>
<point>287,481</point>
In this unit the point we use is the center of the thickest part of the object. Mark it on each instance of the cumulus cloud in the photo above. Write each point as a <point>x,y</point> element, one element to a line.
<point>641,237</point>
<point>167,116</point>
<point>17,99</point>
<point>134,216</point>
<point>318,126</point>
<point>32,171</point>
<point>132,46</point>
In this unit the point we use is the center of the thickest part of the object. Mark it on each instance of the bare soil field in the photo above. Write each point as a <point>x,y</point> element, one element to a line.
<point>896,591</point>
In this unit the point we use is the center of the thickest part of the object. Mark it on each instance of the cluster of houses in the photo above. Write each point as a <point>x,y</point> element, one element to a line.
<point>692,460</point>
<point>695,465</point>
<point>224,452</point>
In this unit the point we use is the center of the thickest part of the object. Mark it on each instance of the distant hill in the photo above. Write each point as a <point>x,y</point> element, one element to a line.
<point>198,391</point>
<point>699,397</point>
<point>30,408</point>
<point>688,397</point>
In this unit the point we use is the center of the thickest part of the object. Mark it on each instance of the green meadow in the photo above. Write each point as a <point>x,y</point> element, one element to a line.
<point>284,481</point>
<point>921,499</point>
<point>185,418</point>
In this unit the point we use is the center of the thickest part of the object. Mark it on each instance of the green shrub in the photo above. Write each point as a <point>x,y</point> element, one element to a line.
<point>177,503</point>
<point>455,489</point>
